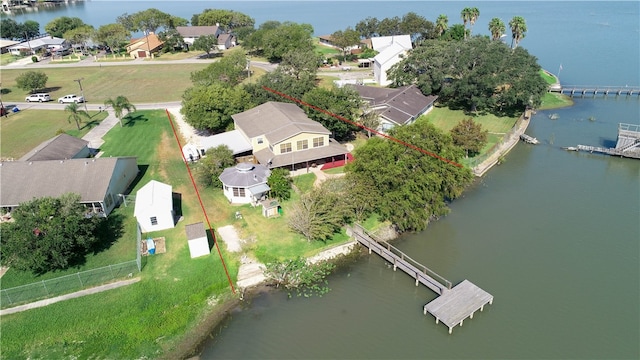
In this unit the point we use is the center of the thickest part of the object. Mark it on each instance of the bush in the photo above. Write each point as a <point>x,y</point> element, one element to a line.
<point>34,59</point>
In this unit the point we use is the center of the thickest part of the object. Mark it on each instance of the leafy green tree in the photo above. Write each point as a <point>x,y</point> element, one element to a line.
<point>206,43</point>
<point>287,37</point>
<point>466,14</point>
<point>60,25</point>
<point>496,28</point>
<point>474,14</point>
<point>518,30</point>
<point>297,274</point>
<point>469,136</point>
<point>10,29</point>
<point>318,215</point>
<point>344,102</point>
<point>112,35</point>
<point>227,19</point>
<point>409,187</point>
<point>370,120</point>
<point>345,39</point>
<point>32,80</point>
<point>280,80</point>
<point>146,21</point>
<point>280,183</point>
<point>210,107</point>
<point>31,29</point>
<point>119,105</point>
<point>456,32</point>
<point>368,27</point>
<point>360,196</point>
<point>172,39</point>
<point>389,26</point>
<point>76,114</point>
<point>48,234</point>
<point>442,24</point>
<point>415,26</point>
<point>80,35</point>
<point>213,164</point>
<point>231,70</point>
<point>302,65</point>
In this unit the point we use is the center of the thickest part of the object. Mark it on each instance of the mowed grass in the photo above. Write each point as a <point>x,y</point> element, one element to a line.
<point>139,83</point>
<point>26,129</point>
<point>446,119</point>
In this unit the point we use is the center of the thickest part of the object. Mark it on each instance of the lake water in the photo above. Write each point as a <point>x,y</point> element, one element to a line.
<point>553,235</point>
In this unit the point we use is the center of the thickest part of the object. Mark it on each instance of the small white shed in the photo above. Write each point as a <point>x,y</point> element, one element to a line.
<point>197,239</point>
<point>154,207</point>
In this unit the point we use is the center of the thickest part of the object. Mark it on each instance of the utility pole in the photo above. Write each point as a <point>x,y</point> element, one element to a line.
<point>79,81</point>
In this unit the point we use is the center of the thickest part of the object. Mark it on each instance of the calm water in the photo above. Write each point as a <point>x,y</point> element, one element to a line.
<point>553,235</point>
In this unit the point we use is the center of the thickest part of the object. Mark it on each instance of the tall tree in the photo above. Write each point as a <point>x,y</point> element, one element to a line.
<point>317,215</point>
<point>119,105</point>
<point>469,136</point>
<point>518,30</point>
<point>112,35</point>
<point>210,107</point>
<point>280,183</point>
<point>343,101</point>
<point>368,27</point>
<point>30,29</point>
<point>206,43</point>
<point>32,80</point>
<point>474,14</point>
<point>48,234</point>
<point>76,114</point>
<point>465,14</point>
<point>302,65</point>
<point>345,39</point>
<point>230,70</point>
<point>280,80</point>
<point>211,166</point>
<point>79,35</point>
<point>389,26</point>
<point>286,37</point>
<point>228,19</point>
<point>496,28</point>
<point>415,26</point>
<point>409,187</point>
<point>146,21</point>
<point>442,23</point>
<point>60,25</point>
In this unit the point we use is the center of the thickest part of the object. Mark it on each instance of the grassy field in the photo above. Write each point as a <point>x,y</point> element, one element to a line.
<point>445,119</point>
<point>24,130</point>
<point>139,83</point>
<point>555,100</point>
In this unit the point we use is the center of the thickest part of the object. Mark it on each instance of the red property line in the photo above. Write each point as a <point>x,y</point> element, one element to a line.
<point>363,127</point>
<point>213,235</point>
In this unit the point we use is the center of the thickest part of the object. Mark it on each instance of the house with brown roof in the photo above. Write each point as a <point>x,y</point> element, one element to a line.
<point>99,181</point>
<point>61,147</point>
<point>400,106</point>
<point>145,46</point>
<point>282,135</point>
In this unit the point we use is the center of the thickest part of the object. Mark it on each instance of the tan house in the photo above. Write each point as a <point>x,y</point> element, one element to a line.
<point>282,135</point>
<point>145,46</point>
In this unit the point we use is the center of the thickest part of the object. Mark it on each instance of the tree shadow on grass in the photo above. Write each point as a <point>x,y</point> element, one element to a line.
<point>131,120</point>
<point>108,232</point>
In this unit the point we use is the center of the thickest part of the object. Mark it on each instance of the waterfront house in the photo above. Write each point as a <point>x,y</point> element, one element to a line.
<point>34,46</point>
<point>245,183</point>
<point>145,46</point>
<point>281,135</point>
<point>191,33</point>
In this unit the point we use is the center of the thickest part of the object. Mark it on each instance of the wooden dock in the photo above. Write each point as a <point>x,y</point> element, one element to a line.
<point>453,305</point>
<point>628,144</point>
<point>595,90</point>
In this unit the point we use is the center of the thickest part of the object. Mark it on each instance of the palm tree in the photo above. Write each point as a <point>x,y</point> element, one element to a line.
<point>442,23</point>
<point>518,30</point>
<point>119,104</point>
<point>474,14</point>
<point>497,28</point>
<point>465,14</point>
<point>76,113</point>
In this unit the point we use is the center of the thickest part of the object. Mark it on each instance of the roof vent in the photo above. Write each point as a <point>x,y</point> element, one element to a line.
<point>244,167</point>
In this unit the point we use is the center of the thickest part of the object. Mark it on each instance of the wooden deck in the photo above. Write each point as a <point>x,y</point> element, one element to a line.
<point>457,304</point>
<point>454,304</point>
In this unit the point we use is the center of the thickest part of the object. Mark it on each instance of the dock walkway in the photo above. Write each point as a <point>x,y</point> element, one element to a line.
<point>453,305</point>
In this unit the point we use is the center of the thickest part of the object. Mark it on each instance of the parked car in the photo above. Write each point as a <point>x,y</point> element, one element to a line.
<point>72,98</point>
<point>62,52</point>
<point>40,97</point>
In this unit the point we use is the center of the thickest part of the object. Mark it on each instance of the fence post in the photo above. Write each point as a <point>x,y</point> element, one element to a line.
<point>79,279</point>
<point>45,288</point>
<point>111,271</point>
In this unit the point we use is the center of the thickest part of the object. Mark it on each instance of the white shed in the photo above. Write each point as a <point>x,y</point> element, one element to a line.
<point>154,207</point>
<point>197,239</point>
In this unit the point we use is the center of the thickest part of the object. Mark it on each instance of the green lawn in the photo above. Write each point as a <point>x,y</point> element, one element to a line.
<point>24,130</point>
<point>445,119</point>
<point>555,100</point>
<point>139,83</point>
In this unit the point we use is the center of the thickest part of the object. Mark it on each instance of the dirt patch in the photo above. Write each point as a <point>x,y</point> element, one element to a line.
<point>160,248</point>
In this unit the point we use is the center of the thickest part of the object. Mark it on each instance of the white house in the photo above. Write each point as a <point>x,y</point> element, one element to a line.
<point>245,183</point>
<point>154,207</point>
<point>233,139</point>
<point>36,45</point>
<point>391,49</point>
<point>197,240</point>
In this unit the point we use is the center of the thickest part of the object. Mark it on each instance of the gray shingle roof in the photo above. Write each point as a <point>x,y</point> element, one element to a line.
<point>277,122</point>
<point>195,31</point>
<point>245,175</point>
<point>61,147</point>
<point>25,180</point>
<point>195,231</point>
<point>401,105</point>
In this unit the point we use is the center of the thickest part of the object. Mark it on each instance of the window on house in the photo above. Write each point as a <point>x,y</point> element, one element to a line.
<point>317,142</point>
<point>154,220</point>
<point>302,144</point>
<point>285,148</point>
<point>260,141</point>
<point>238,192</point>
